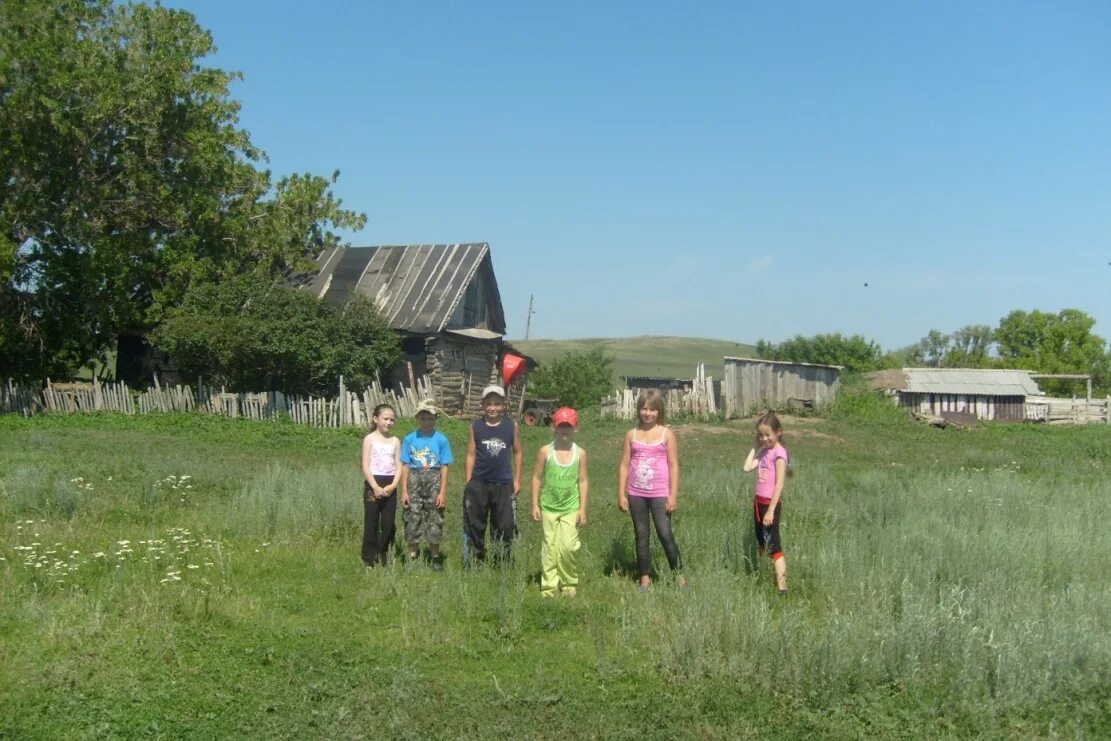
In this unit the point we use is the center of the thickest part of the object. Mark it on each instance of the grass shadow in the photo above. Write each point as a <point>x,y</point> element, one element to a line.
<point>620,559</point>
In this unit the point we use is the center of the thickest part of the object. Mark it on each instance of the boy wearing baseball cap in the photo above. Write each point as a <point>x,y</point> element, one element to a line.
<point>493,476</point>
<point>559,493</point>
<point>425,455</point>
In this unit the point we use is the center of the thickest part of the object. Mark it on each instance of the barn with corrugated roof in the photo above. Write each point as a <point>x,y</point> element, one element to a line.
<point>444,301</point>
<point>989,394</point>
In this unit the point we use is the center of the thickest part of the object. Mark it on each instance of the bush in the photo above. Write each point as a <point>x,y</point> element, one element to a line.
<point>255,335</point>
<point>577,379</point>
<point>858,404</point>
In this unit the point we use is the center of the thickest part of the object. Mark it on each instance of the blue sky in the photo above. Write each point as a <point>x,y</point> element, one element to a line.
<point>727,170</point>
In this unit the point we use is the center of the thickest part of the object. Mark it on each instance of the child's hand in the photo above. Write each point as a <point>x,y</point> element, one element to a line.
<point>623,503</point>
<point>405,499</point>
<point>441,501</point>
<point>535,513</point>
<point>769,517</point>
<point>582,517</point>
<point>671,505</point>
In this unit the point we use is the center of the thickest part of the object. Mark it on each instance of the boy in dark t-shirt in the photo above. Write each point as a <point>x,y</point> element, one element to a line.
<point>493,476</point>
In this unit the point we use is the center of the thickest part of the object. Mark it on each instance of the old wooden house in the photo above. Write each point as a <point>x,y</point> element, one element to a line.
<point>444,301</point>
<point>752,384</point>
<point>983,393</point>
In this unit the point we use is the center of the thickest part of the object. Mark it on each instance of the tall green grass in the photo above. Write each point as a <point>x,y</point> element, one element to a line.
<point>942,583</point>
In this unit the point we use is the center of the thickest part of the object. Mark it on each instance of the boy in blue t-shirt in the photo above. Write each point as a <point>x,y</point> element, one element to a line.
<point>425,457</point>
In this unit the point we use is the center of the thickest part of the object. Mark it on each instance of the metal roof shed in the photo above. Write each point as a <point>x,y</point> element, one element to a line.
<point>988,393</point>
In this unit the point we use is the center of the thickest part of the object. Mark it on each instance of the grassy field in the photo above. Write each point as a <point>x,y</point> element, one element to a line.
<point>669,357</point>
<point>183,576</point>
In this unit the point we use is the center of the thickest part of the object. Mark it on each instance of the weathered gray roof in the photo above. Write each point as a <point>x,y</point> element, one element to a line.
<point>416,287</point>
<point>781,362</point>
<point>974,381</point>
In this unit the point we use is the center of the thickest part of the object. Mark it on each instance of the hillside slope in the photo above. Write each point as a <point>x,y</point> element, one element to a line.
<point>674,357</point>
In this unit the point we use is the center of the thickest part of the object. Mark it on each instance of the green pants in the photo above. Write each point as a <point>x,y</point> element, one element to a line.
<point>559,556</point>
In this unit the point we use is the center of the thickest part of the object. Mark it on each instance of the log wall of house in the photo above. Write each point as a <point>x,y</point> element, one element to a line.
<point>459,369</point>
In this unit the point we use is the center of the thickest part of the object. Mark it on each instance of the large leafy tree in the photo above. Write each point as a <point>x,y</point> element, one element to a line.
<point>1054,343</point>
<point>125,179</point>
<point>252,334</point>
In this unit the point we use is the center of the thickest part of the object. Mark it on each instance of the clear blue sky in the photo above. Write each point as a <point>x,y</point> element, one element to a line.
<point>727,170</point>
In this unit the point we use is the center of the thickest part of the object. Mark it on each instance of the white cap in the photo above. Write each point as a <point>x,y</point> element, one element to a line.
<point>493,389</point>
<point>427,406</point>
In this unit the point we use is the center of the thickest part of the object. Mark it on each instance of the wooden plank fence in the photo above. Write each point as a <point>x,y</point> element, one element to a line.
<point>698,401</point>
<point>347,408</point>
<point>1072,411</point>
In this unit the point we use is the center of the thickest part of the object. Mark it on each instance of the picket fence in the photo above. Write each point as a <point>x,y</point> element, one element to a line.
<point>347,408</point>
<point>698,401</point>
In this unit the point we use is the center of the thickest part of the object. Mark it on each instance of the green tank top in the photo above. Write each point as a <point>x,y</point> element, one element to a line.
<point>559,491</point>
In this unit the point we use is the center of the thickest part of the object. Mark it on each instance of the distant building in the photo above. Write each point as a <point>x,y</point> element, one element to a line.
<point>660,383</point>
<point>444,301</point>
<point>988,394</point>
<point>752,384</point>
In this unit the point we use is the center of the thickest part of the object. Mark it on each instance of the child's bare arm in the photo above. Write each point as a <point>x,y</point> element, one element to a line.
<point>468,465</point>
<point>751,461</point>
<point>518,459</point>
<point>623,473</point>
<point>404,486</point>
<point>397,468</point>
<point>441,498</point>
<point>673,470</point>
<point>537,474</point>
<point>584,487</point>
<point>780,480</point>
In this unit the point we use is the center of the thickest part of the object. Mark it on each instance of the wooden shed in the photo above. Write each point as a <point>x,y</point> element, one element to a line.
<point>444,301</point>
<point>989,394</point>
<point>753,383</point>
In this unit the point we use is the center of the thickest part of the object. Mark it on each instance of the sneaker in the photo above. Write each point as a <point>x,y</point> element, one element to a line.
<point>569,592</point>
<point>547,594</point>
<point>438,564</point>
<point>643,587</point>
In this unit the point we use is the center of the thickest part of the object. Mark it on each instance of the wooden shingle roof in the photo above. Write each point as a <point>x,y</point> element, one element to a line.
<point>416,287</point>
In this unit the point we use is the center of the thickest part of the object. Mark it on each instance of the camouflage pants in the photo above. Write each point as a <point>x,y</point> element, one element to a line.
<point>423,521</point>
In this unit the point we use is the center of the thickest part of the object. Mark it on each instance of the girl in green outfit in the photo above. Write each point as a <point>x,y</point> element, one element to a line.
<point>559,492</point>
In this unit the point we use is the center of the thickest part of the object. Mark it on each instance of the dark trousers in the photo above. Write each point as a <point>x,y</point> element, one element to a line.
<point>488,501</point>
<point>641,508</point>
<point>378,523</point>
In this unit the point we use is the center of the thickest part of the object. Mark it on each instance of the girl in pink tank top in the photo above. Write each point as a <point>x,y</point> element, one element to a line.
<point>648,485</point>
<point>381,475</point>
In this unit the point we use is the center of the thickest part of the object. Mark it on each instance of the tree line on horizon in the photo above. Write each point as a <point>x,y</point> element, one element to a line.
<point>1043,342</point>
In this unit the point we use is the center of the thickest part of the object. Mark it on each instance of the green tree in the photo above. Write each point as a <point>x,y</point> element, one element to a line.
<point>255,334</point>
<point>1054,343</point>
<point>577,379</point>
<point>968,347</point>
<point>930,351</point>
<point>855,353</point>
<point>125,179</point>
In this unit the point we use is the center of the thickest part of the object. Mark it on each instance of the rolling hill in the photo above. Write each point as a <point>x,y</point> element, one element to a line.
<point>673,357</point>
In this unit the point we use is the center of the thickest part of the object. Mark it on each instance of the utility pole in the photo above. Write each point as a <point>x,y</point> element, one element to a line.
<point>528,319</point>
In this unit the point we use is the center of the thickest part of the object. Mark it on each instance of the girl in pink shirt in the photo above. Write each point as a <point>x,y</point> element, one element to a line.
<point>769,459</point>
<point>648,484</point>
<point>381,474</point>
